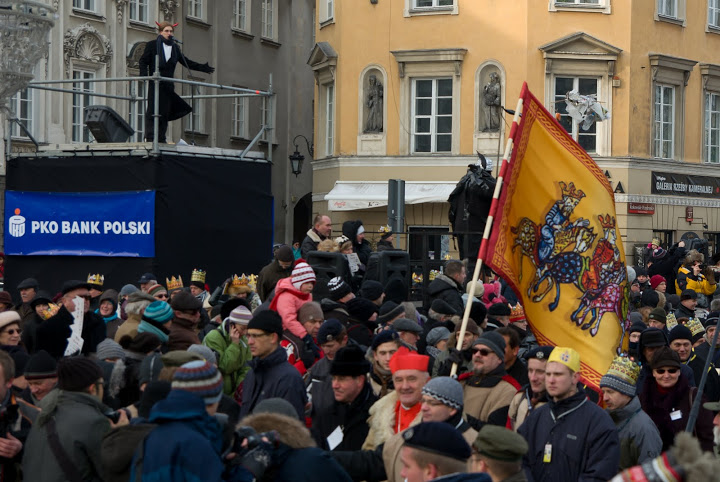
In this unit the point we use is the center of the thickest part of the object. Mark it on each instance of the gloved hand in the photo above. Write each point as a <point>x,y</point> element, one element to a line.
<point>257,460</point>
<point>206,68</point>
<point>310,345</point>
<point>454,356</point>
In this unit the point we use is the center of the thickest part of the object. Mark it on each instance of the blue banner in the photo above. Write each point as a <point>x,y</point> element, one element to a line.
<point>80,224</point>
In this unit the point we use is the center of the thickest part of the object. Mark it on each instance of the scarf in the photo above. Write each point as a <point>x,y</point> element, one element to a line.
<point>383,378</point>
<point>146,327</point>
<point>108,319</point>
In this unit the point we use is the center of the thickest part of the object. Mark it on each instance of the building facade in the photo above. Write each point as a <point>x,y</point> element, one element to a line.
<point>411,89</point>
<point>249,42</point>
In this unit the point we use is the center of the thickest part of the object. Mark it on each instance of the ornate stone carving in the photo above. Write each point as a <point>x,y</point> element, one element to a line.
<point>86,43</point>
<point>168,8</point>
<point>373,107</point>
<point>133,58</point>
<point>491,101</point>
<point>120,9</point>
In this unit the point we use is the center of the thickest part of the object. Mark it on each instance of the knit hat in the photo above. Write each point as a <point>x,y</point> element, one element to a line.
<point>635,316</point>
<point>688,294</point>
<point>127,289</point>
<point>240,315</point>
<point>567,356</point>
<point>637,327</point>
<point>158,312</point>
<point>499,443</point>
<point>712,319</point>
<point>665,357</point>
<point>384,336</point>
<point>276,405</point>
<point>8,318</point>
<point>696,328</point>
<point>371,290</point>
<point>404,359</point>
<point>285,254</point>
<point>437,334</point>
<point>478,311</point>
<point>330,330</point>
<point>479,289</point>
<point>622,376</point>
<point>655,281</point>
<point>499,309</point>
<point>302,273</point>
<point>680,332</point>
<point>76,373</point>
<point>446,390</point>
<point>442,307</point>
<point>268,321</point>
<point>658,314</point>
<point>493,341</point>
<point>153,393</point>
<point>40,366</point>
<point>310,311</point>
<point>350,361</point>
<point>471,327</point>
<point>361,309</point>
<point>156,290</point>
<point>109,349</point>
<point>205,352</point>
<point>201,378</point>
<point>185,301</point>
<point>338,288</point>
<point>659,253</point>
<point>389,311</point>
<point>7,299</point>
<point>649,298</point>
<point>652,337</point>
<point>439,438</point>
<point>405,324</point>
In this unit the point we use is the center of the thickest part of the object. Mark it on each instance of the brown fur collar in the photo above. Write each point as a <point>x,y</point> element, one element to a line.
<point>291,431</point>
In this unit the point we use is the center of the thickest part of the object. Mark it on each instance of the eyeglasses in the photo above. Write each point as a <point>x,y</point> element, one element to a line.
<point>671,371</point>
<point>256,335</point>
<point>13,331</point>
<point>482,351</point>
<point>161,295</point>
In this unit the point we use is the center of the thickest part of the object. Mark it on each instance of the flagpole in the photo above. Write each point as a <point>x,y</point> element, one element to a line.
<point>488,225</point>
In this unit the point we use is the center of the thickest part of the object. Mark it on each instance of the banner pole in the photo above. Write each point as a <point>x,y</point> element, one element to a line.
<point>488,225</point>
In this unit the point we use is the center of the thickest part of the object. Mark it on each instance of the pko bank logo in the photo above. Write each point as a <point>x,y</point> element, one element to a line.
<point>17,225</point>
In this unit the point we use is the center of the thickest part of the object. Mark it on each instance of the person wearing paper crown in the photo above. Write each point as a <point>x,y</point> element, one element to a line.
<point>386,239</point>
<point>639,438</point>
<point>95,281</point>
<point>570,438</point>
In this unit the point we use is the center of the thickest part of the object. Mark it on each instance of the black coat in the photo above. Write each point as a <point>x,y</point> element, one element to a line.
<point>351,417</point>
<point>446,289</point>
<point>52,334</point>
<point>667,265</point>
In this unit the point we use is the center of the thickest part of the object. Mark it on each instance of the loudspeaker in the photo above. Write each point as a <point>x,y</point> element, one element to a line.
<point>106,125</point>
<point>327,266</point>
<point>387,265</point>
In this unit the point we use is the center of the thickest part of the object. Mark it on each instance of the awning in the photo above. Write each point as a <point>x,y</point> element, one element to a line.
<point>355,195</point>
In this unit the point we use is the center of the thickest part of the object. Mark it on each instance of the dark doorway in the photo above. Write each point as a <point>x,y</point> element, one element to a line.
<point>302,217</point>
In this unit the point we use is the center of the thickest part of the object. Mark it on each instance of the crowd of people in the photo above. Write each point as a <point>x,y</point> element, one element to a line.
<point>261,380</point>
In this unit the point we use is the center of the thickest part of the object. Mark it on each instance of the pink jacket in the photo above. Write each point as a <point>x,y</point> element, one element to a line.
<point>287,302</point>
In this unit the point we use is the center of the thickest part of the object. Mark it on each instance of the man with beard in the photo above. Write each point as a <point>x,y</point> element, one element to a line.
<point>533,394</point>
<point>570,438</point>
<point>514,366</point>
<point>463,358</point>
<point>383,347</point>
<point>714,407</point>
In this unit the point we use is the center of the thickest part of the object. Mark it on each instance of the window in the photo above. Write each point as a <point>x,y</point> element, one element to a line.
<point>195,121</point>
<point>329,119</point>
<point>433,3</point>
<point>584,86</point>
<point>712,127</point>
<point>668,8</point>
<point>239,120</point>
<point>139,10</point>
<point>432,115</point>
<point>580,2</point>
<point>330,9</point>
<point>269,19</point>
<point>195,8</point>
<point>241,15</point>
<point>81,99</point>
<point>22,106</point>
<point>267,118</point>
<point>714,13</point>
<point>664,116</point>
<point>137,110</point>
<point>84,5</point>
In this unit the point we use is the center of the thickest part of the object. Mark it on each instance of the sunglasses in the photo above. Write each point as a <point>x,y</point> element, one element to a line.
<point>671,371</point>
<point>482,351</point>
<point>161,295</point>
<point>13,331</point>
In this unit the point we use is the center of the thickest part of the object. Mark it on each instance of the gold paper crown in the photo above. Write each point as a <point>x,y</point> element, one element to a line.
<point>570,191</point>
<point>241,281</point>
<point>670,321</point>
<point>252,281</point>
<point>386,229</point>
<point>695,326</point>
<point>607,222</point>
<point>198,275</point>
<point>517,314</point>
<point>96,279</point>
<point>174,283</point>
<point>624,369</point>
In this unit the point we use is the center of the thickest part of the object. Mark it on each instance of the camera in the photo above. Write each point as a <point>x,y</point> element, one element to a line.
<point>114,415</point>
<point>253,439</point>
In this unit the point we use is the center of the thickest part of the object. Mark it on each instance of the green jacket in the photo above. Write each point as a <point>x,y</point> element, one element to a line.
<point>232,357</point>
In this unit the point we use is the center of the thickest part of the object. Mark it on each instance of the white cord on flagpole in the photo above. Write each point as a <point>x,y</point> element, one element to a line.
<point>486,236</point>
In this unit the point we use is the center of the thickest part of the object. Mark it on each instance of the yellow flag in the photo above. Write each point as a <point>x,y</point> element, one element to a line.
<point>555,240</point>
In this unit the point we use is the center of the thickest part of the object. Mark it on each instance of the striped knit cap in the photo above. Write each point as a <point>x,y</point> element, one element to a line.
<point>201,378</point>
<point>158,312</point>
<point>157,289</point>
<point>446,390</point>
<point>302,273</point>
<point>240,315</point>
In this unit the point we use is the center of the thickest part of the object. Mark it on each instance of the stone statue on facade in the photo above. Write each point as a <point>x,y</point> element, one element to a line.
<point>374,103</point>
<point>491,102</point>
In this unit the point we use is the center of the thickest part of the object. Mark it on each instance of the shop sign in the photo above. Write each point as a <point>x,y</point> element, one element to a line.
<point>684,185</point>
<point>641,208</point>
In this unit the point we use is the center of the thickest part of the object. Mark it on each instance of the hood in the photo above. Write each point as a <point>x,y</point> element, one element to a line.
<point>350,229</point>
<point>441,283</point>
<point>291,431</point>
<point>285,286</point>
<point>110,295</point>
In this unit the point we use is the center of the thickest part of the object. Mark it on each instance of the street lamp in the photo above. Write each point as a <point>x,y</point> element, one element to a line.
<point>296,159</point>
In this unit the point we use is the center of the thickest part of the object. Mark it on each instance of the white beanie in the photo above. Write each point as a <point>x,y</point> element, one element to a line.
<point>302,273</point>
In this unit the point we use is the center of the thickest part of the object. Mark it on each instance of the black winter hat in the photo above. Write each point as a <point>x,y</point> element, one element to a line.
<point>665,357</point>
<point>41,297</point>
<point>396,290</point>
<point>680,332</point>
<point>637,327</point>
<point>184,301</point>
<point>153,393</point>
<point>651,337</point>
<point>268,321</point>
<point>384,337</point>
<point>712,319</point>
<point>541,352</point>
<point>361,309</point>
<point>499,309</point>
<point>338,288</point>
<point>28,283</point>
<point>439,438</point>
<point>41,365</point>
<point>144,343</point>
<point>77,373</point>
<point>442,307</point>
<point>285,254</point>
<point>649,298</point>
<point>389,310</point>
<point>688,294</point>
<point>658,314</point>
<point>330,330</point>
<point>478,312</point>
<point>73,284</point>
<point>350,361</point>
<point>371,290</point>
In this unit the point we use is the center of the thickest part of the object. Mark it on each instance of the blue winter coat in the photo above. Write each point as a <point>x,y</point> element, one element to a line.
<point>585,444</point>
<point>273,377</point>
<point>186,445</point>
